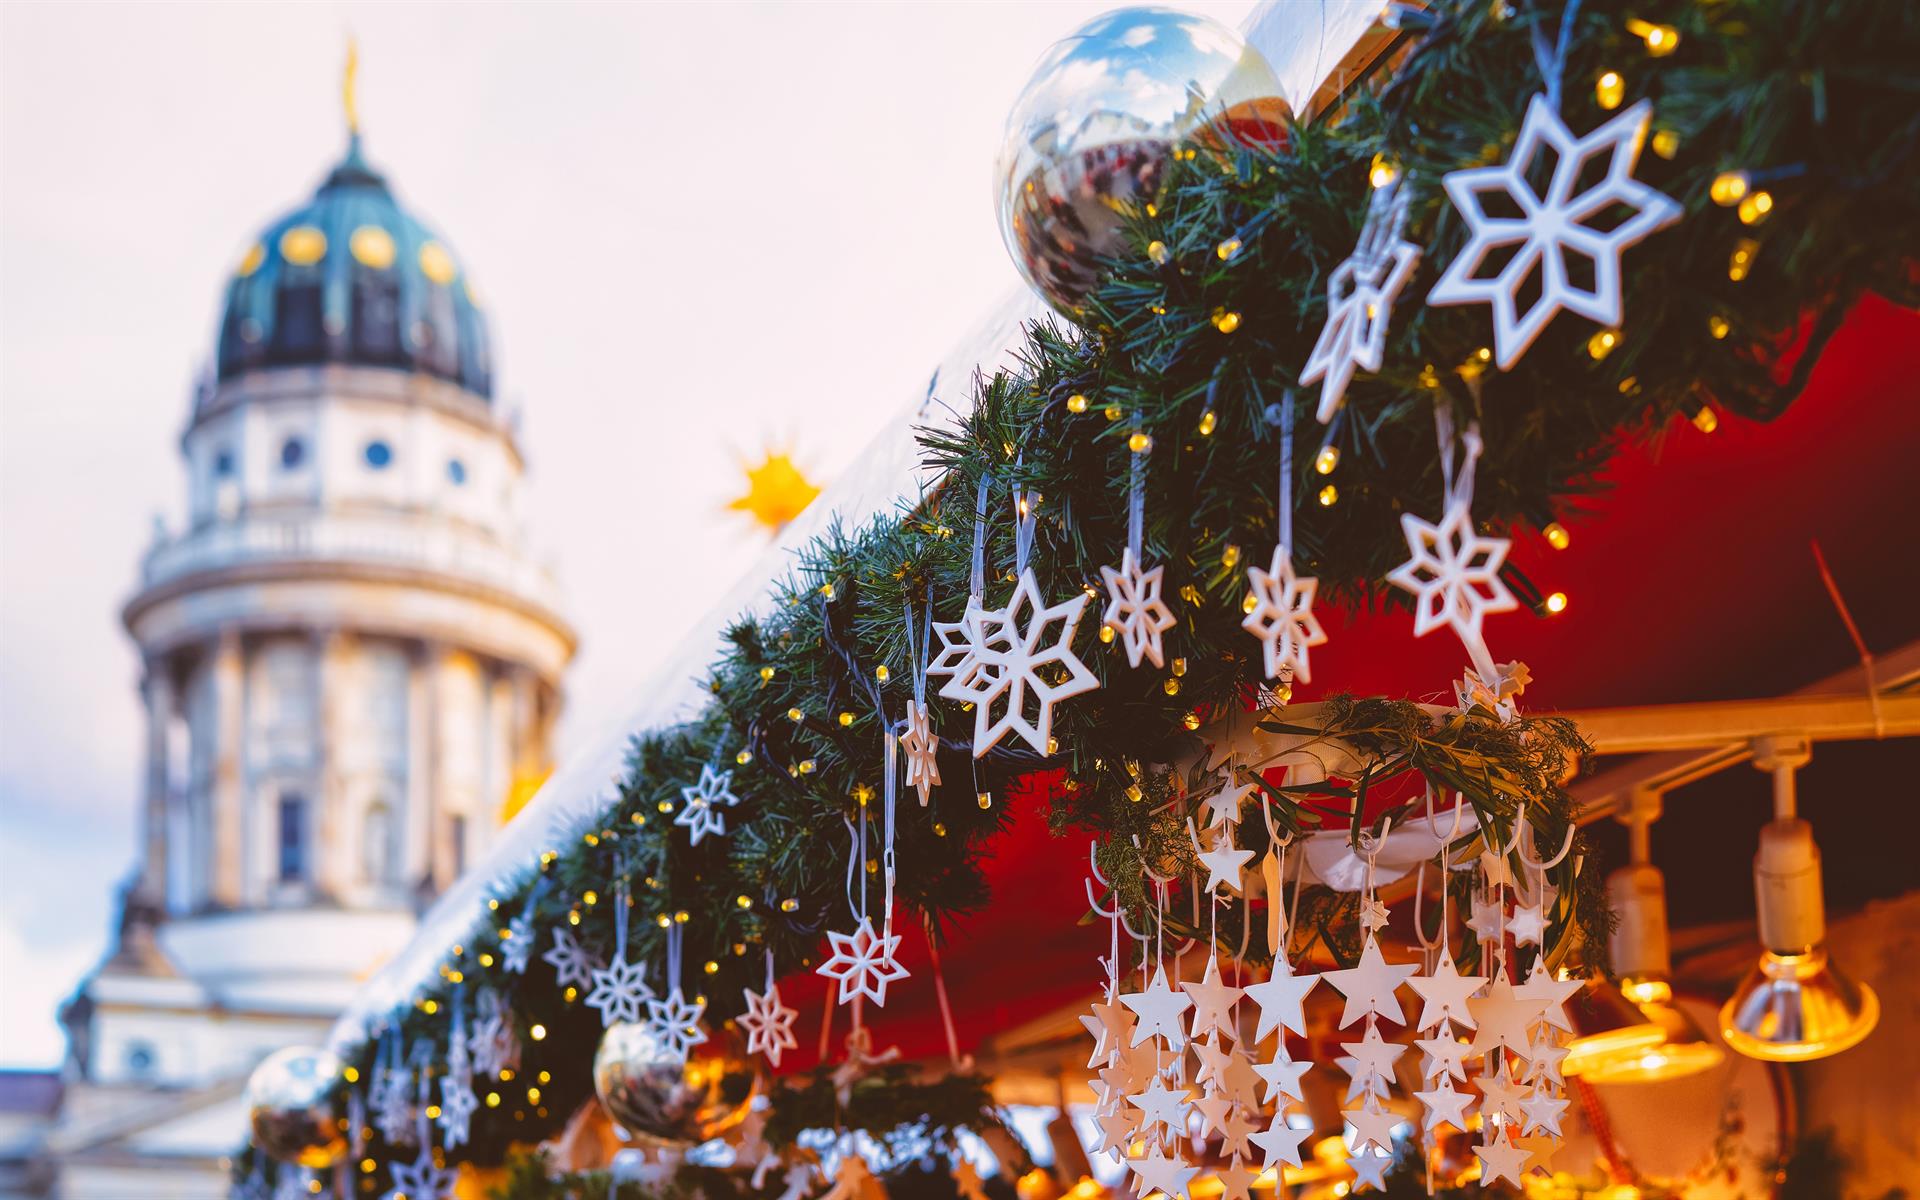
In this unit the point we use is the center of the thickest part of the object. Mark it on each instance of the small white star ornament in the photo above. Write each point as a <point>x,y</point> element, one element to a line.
<point>1282,617</point>
<point>573,965</point>
<point>676,1022</point>
<point>517,947</point>
<point>421,1180</point>
<point>701,803</point>
<point>1135,611</point>
<point>768,1022</point>
<point>863,962</point>
<point>1552,226</point>
<point>619,991</point>
<point>1005,662</point>
<point>1360,296</point>
<point>920,746</point>
<point>1454,573</point>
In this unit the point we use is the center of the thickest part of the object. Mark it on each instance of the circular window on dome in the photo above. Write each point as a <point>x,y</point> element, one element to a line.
<point>303,245</point>
<point>456,471</point>
<point>256,254</point>
<point>378,454</point>
<point>222,463</point>
<point>293,452</point>
<point>372,246</point>
<point>436,264</point>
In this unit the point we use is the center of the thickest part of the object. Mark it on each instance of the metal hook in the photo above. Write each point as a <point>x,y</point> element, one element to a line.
<point>1433,828</point>
<point>1273,833</point>
<point>1526,855</point>
<point>1419,908</point>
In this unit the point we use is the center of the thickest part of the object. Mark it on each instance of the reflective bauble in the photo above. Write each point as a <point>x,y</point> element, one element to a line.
<point>663,1100</point>
<point>290,1107</point>
<point>1088,140</point>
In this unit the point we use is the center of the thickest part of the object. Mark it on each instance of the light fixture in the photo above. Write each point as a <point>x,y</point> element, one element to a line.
<point>1606,1025</point>
<point>1795,1005</point>
<point>1637,893</point>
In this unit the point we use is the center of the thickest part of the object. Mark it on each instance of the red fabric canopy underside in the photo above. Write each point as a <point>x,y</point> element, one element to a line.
<point>1690,579</point>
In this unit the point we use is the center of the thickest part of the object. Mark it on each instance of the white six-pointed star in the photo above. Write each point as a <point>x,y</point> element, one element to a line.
<point>1552,226</point>
<point>676,1022</point>
<point>420,1179</point>
<point>1282,616</point>
<point>517,947</point>
<point>1011,668</point>
<point>768,1022</point>
<point>700,804</point>
<point>573,965</point>
<point>619,990</point>
<point>1453,573</point>
<point>863,962</point>
<point>921,748</point>
<point>1134,609</point>
<point>457,1101</point>
<point>1360,297</point>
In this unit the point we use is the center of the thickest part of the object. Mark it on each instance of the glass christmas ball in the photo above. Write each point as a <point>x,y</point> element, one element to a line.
<point>290,1107</point>
<point>663,1100</point>
<point>1089,138</point>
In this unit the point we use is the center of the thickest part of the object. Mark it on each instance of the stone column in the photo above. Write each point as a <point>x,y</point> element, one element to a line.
<point>159,692</point>
<point>226,862</point>
<point>422,747</point>
<point>333,824</point>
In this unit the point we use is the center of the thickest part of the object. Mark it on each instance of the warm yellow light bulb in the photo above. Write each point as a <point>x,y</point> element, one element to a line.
<point>1557,602</point>
<point>984,800</point>
<point>1329,496</point>
<point>538,1033</point>
<point>1382,173</point>
<point>1556,534</point>
<point>881,673</point>
<point>1740,262</point>
<point>1076,403</point>
<point>1661,40</point>
<point>1328,458</point>
<point>794,714</point>
<point>1207,423</point>
<point>789,905</point>
<point>1718,327</point>
<point>1191,720</point>
<point>1609,90</point>
<point>1249,603</point>
<point>1705,420</point>
<point>1170,686</point>
<point>846,719</point>
<point>1111,412</point>
<point>1106,634</point>
<point>743,901</point>
<point>1601,344</point>
<point>1140,442</point>
<point>1226,322</point>
<point>1728,188</point>
<point>1157,251</point>
<point>766,674</point>
<point>1755,207</point>
<point>1134,793</point>
<point>1666,143</point>
<point>1228,248</point>
<point>711,967</point>
<point>744,757</point>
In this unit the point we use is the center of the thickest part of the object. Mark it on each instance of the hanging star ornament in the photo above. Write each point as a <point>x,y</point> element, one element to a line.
<point>1453,573</point>
<point>1282,617</point>
<point>1553,227</point>
<point>863,962</point>
<point>1280,1142</point>
<point>1369,986</point>
<point>921,748</point>
<point>573,965</point>
<point>1360,296</point>
<point>1159,1009</point>
<point>1135,611</point>
<point>457,1103</point>
<point>1280,999</point>
<point>1500,1160</point>
<point>517,947</point>
<point>1224,863</point>
<point>619,991</point>
<point>1014,664</point>
<point>1213,1002</point>
<point>701,803</point>
<point>421,1180</point>
<point>1444,1105</point>
<point>768,1022</point>
<point>676,1022</point>
<point>1444,993</point>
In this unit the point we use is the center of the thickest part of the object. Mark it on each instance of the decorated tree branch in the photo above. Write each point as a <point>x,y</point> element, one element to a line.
<point>1340,363</point>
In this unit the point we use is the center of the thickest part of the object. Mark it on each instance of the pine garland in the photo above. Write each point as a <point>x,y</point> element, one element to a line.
<point>1200,348</point>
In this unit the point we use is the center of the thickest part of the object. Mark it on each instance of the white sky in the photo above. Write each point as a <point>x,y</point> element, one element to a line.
<point>697,228</point>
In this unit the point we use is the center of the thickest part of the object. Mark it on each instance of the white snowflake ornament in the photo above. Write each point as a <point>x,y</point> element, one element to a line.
<point>676,1022</point>
<point>516,949</point>
<point>921,748</point>
<point>619,991</point>
<point>701,803</point>
<point>768,1022</point>
<point>1552,226</point>
<point>863,962</point>
<point>1360,298</point>
<point>1014,664</point>
<point>1453,573</point>
<point>421,1180</point>
<point>573,965</point>
<point>1135,611</point>
<point>1282,617</point>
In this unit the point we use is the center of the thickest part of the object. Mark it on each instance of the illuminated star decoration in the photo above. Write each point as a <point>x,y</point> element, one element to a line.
<point>619,991</point>
<point>863,962</point>
<point>573,965</point>
<point>700,804</point>
<point>1453,573</point>
<point>768,1022</point>
<point>777,491</point>
<point>1360,298</point>
<point>1006,662</point>
<point>1282,617</point>
<point>421,1180</point>
<point>921,748</point>
<point>676,1023</point>
<point>1552,227</point>
<point>1134,609</point>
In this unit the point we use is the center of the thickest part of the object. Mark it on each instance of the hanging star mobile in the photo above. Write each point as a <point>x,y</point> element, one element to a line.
<point>1282,617</point>
<point>1360,298</point>
<point>1555,225</point>
<point>1135,611</point>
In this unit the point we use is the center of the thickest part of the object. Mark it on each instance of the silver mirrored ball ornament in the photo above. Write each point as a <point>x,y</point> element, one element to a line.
<point>664,1100</point>
<point>290,1107</point>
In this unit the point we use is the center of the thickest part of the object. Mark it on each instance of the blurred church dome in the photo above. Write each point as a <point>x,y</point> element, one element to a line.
<point>353,277</point>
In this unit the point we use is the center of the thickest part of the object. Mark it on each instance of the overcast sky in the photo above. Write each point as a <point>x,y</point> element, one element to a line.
<point>698,229</point>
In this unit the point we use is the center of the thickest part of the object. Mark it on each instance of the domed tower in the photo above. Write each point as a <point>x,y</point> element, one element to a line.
<point>352,665</point>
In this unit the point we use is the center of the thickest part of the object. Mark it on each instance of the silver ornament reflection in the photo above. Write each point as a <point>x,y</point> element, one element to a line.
<point>1090,136</point>
<point>290,1107</point>
<point>663,1099</point>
